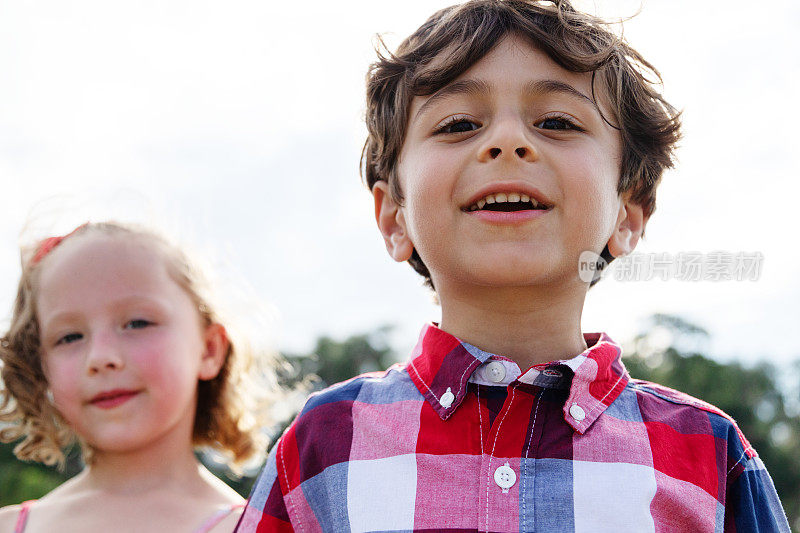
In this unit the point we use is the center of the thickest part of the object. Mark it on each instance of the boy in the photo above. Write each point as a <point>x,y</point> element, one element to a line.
<point>506,139</point>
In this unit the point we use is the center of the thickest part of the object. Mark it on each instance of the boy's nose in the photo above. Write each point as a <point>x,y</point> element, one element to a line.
<point>509,140</point>
<point>521,151</point>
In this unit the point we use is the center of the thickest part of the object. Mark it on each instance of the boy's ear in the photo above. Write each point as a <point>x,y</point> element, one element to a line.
<point>628,228</point>
<point>391,223</point>
<point>215,344</point>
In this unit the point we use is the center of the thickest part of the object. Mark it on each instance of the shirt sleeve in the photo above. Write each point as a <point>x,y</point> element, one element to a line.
<point>266,506</point>
<point>752,502</point>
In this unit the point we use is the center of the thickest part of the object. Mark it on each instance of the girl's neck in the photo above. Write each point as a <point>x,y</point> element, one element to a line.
<point>160,465</point>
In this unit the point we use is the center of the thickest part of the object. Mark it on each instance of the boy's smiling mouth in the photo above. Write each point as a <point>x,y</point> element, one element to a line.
<point>506,202</point>
<point>508,197</point>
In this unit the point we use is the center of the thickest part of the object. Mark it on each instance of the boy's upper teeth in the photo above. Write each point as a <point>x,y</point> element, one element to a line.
<point>501,197</point>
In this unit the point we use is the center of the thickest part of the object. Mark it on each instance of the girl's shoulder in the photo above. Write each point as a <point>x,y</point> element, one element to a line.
<point>11,514</point>
<point>223,520</point>
<point>12,517</point>
<point>229,505</point>
<point>55,503</point>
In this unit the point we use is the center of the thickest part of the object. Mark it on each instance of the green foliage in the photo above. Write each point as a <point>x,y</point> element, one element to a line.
<point>751,395</point>
<point>20,481</point>
<point>333,361</point>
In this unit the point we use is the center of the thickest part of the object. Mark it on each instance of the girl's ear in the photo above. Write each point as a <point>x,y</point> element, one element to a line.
<point>391,223</point>
<point>628,228</point>
<point>216,344</point>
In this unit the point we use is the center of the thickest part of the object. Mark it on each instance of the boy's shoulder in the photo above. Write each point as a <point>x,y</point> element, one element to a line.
<point>672,418</point>
<point>382,387</point>
<point>657,403</point>
<point>689,415</point>
<point>346,421</point>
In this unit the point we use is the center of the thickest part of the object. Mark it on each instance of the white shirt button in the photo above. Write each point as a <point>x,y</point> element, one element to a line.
<point>495,371</point>
<point>505,477</point>
<point>577,412</point>
<point>447,398</point>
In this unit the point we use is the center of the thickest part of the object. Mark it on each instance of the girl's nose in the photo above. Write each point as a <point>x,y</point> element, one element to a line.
<point>104,355</point>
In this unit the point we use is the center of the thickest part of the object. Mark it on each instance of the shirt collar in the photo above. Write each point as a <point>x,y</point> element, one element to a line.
<point>441,366</point>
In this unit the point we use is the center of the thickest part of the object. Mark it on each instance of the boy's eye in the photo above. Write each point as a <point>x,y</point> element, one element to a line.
<point>557,123</point>
<point>137,323</point>
<point>68,338</point>
<point>458,125</point>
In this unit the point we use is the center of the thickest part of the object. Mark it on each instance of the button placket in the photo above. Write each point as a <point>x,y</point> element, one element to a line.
<point>527,468</point>
<point>499,477</point>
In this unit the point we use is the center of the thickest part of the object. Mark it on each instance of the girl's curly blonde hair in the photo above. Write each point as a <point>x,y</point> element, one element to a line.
<point>225,418</point>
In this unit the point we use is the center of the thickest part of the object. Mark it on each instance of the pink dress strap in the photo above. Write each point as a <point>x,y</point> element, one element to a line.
<point>22,517</point>
<point>216,518</point>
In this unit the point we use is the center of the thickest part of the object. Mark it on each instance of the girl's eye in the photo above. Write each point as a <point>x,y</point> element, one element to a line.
<point>458,124</point>
<point>557,123</point>
<point>68,338</point>
<point>137,323</point>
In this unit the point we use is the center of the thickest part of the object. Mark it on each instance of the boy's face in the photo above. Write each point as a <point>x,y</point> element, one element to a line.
<point>514,126</point>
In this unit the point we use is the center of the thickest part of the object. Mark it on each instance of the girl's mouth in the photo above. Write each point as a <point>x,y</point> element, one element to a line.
<point>113,398</point>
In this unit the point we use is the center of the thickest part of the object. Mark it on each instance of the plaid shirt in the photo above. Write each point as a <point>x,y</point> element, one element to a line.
<point>458,439</point>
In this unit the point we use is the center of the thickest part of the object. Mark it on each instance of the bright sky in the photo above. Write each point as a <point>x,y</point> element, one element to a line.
<point>237,126</point>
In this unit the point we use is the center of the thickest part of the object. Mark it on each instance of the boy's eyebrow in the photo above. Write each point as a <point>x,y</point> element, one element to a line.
<point>537,87</point>
<point>555,86</point>
<point>458,87</point>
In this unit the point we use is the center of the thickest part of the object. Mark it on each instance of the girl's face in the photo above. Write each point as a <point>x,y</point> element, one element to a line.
<point>122,343</point>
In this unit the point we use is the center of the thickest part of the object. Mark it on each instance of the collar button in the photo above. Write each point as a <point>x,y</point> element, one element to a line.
<point>577,412</point>
<point>495,371</point>
<point>447,398</point>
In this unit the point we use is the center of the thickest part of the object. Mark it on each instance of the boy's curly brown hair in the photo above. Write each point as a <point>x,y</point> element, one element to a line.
<point>459,36</point>
<point>225,416</point>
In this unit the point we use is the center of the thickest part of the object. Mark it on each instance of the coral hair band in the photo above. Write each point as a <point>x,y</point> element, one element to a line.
<point>47,245</point>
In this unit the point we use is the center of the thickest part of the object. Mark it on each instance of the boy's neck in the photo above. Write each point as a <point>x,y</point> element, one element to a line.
<point>528,325</point>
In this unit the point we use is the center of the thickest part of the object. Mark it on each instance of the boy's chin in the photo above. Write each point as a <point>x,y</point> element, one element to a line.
<point>512,274</point>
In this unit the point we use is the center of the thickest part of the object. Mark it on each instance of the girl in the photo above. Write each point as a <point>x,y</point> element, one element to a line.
<point>114,341</point>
